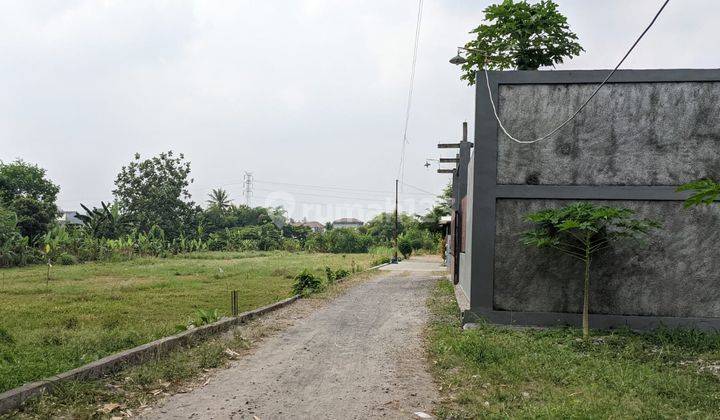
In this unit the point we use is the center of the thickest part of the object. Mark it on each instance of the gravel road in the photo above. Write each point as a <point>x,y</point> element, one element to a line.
<point>359,356</point>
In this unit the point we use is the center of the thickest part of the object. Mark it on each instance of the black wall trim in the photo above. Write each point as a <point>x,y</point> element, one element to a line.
<point>597,321</point>
<point>597,76</point>
<point>486,192</point>
<point>590,192</point>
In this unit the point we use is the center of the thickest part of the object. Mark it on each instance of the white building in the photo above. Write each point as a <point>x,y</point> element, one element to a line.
<point>347,222</point>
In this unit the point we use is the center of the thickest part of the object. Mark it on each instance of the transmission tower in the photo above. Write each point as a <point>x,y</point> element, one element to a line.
<point>248,179</point>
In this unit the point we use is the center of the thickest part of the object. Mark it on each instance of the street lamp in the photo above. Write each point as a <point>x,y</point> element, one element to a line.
<point>459,59</point>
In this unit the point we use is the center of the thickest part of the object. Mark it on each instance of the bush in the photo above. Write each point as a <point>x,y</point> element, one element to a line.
<point>5,337</point>
<point>67,259</point>
<point>405,246</point>
<point>306,283</point>
<point>341,273</point>
<point>203,317</point>
<point>382,260</point>
<point>339,241</point>
<point>315,242</point>
<point>291,245</point>
<point>330,275</point>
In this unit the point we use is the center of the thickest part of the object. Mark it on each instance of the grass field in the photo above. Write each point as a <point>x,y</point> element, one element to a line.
<point>495,372</point>
<point>89,311</point>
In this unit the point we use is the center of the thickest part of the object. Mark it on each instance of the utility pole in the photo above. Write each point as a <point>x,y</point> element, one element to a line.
<point>248,187</point>
<point>395,227</point>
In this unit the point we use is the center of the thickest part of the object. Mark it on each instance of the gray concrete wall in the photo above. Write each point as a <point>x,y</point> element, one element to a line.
<point>676,273</point>
<point>629,134</point>
<point>644,134</point>
<point>465,277</point>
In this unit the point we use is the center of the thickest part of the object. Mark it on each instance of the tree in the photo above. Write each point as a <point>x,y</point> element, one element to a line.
<point>298,232</point>
<point>104,222</point>
<point>705,191</point>
<point>25,190</point>
<point>581,230</point>
<point>382,226</point>
<point>13,247</point>
<point>431,220</point>
<point>520,35</point>
<point>153,192</point>
<point>219,199</point>
<point>346,241</point>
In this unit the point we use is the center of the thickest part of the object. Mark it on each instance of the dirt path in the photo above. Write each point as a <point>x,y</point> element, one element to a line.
<point>359,356</point>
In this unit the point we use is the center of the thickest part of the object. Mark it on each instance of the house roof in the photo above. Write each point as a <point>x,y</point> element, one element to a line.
<point>311,224</point>
<point>348,220</point>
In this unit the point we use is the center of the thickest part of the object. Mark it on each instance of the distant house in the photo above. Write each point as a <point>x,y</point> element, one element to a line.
<point>316,227</point>
<point>69,218</point>
<point>347,222</point>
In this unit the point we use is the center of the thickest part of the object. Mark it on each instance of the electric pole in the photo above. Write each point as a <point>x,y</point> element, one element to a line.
<point>248,187</point>
<point>395,227</point>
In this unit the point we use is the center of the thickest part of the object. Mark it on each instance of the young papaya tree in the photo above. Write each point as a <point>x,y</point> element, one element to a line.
<point>582,230</point>
<point>705,191</point>
<point>520,35</point>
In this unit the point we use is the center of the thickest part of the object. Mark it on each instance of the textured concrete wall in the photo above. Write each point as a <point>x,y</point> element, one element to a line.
<point>630,134</point>
<point>676,274</point>
<point>465,275</point>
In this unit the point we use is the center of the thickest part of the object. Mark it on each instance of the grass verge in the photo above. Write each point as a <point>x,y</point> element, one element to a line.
<point>88,311</point>
<point>499,372</point>
<point>134,389</point>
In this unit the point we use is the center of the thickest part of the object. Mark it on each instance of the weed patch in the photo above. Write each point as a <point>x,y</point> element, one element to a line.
<point>495,371</point>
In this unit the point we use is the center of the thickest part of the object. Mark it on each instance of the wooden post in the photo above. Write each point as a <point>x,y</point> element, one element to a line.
<point>234,303</point>
<point>395,227</point>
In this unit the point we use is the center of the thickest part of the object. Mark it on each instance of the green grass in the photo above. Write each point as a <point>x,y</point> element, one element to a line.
<point>178,371</point>
<point>89,311</point>
<point>499,372</point>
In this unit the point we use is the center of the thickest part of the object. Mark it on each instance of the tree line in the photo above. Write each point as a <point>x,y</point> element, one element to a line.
<point>153,214</point>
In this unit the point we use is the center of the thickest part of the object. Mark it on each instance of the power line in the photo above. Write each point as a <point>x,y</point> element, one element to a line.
<point>419,189</point>
<point>502,127</point>
<point>330,196</point>
<point>401,168</point>
<point>328,187</point>
<point>371,199</point>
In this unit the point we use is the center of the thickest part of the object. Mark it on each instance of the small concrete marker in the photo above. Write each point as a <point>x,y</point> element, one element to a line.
<point>422,415</point>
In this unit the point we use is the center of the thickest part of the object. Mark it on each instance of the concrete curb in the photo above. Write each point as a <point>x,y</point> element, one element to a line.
<point>14,398</point>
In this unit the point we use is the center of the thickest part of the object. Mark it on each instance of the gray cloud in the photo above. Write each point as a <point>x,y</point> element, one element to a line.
<point>306,92</point>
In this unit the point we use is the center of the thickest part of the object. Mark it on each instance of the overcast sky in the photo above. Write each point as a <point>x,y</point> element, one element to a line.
<point>309,92</point>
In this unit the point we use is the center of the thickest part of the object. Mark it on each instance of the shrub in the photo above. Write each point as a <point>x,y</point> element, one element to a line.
<point>316,242</point>
<point>67,259</point>
<point>203,317</point>
<point>5,337</point>
<point>341,273</point>
<point>290,245</point>
<point>330,275</point>
<point>382,260</point>
<point>405,246</point>
<point>306,283</point>
<point>351,241</point>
